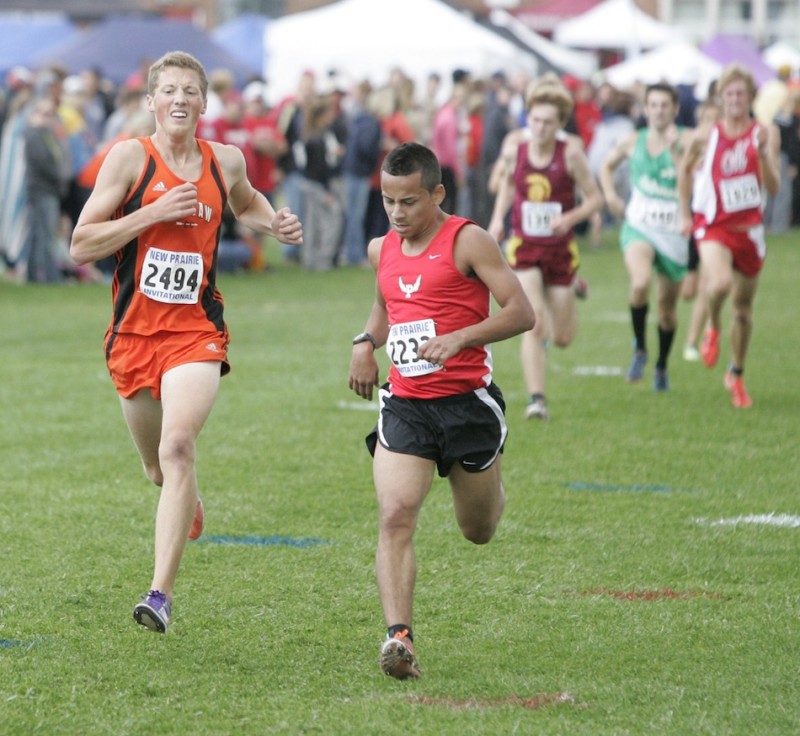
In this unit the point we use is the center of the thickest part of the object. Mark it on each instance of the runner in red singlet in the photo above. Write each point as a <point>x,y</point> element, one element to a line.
<point>157,207</point>
<point>436,275</point>
<point>739,166</point>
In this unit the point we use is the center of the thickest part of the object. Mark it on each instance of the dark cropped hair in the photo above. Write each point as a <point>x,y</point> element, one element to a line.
<point>662,87</point>
<point>409,158</point>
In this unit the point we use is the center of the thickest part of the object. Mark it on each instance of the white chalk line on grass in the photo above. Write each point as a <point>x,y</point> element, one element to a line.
<point>357,406</point>
<point>615,317</point>
<point>782,520</point>
<point>597,370</point>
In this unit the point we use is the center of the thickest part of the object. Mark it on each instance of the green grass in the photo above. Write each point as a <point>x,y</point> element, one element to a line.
<point>608,598</point>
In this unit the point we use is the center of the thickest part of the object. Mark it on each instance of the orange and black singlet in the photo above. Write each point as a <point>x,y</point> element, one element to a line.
<point>165,279</point>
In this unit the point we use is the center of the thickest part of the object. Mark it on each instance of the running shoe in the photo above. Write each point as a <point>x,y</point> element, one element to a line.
<point>153,612</point>
<point>739,396</point>
<point>537,409</point>
<point>691,354</point>
<point>660,380</point>
<point>636,369</point>
<point>581,288</point>
<point>397,657</point>
<point>730,378</point>
<point>197,523</point>
<point>709,350</point>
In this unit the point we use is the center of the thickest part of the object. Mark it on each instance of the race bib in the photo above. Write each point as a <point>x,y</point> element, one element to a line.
<point>653,214</point>
<point>740,193</point>
<point>404,340</point>
<point>537,216</point>
<point>171,277</point>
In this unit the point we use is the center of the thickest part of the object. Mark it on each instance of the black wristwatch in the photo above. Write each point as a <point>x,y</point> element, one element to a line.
<point>365,337</point>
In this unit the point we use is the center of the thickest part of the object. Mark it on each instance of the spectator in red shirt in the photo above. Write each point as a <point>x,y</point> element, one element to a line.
<point>587,112</point>
<point>239,248</point>
<point>266,142</point>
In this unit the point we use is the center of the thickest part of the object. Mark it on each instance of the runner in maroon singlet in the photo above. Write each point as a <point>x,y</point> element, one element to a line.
<point>541,175</point>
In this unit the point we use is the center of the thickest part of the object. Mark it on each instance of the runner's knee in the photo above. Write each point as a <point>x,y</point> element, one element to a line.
<point>153,473</point>
<point>178,449</point>
<point>479,531</point>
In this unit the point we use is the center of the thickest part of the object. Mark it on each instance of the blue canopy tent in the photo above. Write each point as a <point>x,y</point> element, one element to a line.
<point>244,37</point>
<point>24,36</point>
<point>118,46</point>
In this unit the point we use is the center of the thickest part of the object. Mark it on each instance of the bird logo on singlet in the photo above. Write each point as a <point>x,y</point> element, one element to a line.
<point>409,289</point>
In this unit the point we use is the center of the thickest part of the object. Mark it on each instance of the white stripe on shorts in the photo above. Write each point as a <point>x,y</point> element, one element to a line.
<point>487,399</point>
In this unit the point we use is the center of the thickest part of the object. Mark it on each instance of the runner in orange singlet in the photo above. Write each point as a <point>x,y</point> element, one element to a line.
<point>157,207</point>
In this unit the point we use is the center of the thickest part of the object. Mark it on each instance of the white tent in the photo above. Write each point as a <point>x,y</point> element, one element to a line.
<point>781,53</point>
<point>678,62</point>
<point>366,39</point>
<point>581,64</point>
<point>615,24</point>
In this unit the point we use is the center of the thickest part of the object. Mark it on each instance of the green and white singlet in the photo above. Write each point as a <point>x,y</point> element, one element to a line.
<point>652,213</point>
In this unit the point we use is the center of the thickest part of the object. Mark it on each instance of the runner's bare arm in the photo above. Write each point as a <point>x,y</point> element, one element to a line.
<point>591,197</point>
<point>364,372</point>
<point>250,206</point>
<point>96,235</point>
<point>686,168</point>
<point>503,179</point>
<point>769,145</point>
<point>618,154</point>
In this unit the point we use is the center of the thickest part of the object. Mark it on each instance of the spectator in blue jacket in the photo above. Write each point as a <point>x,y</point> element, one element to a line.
<point>362,152</point>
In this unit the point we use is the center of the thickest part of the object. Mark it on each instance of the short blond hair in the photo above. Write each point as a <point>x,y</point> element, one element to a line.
<point>179,59</point>
<point>736,73</point>
<point>550,92</point>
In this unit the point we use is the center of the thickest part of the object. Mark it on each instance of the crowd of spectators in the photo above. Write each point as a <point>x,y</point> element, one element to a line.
<point>319,150</point>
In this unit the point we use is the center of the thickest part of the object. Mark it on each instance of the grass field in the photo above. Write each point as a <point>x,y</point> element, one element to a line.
<point>641,581</point>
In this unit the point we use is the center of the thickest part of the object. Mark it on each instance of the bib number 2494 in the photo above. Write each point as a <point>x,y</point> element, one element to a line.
<point>171,277</point>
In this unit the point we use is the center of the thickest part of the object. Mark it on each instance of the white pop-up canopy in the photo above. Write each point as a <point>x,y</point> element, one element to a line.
<point>366,39</point>
<point>782,53</point>
<point>678,62</point>
<point>615,24</point>
<point>581,64</point>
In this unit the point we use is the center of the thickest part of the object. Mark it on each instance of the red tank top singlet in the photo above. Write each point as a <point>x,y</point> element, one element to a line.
<point>736,174</point>
<point>426,295</point>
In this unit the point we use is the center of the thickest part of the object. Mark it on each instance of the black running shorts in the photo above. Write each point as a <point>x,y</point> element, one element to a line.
<point>694,256</point>
<point>466,428</point>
